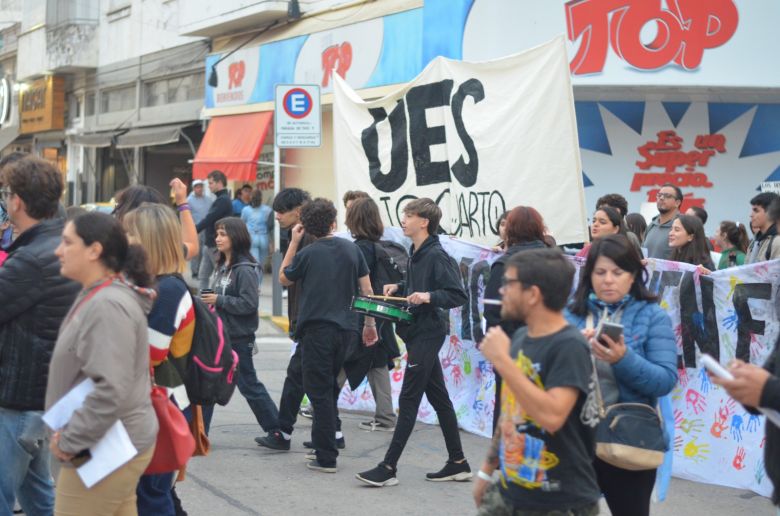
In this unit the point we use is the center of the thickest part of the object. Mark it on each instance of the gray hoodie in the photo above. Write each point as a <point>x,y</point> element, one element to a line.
<point>105,339</point>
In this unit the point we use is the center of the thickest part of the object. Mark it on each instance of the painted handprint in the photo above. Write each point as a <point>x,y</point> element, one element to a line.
<point>691,426</point>
<point>695,401</point>
<point>752,424</point>
<point>736,428</point>
<point>739,459</point>
<point>705,382</point>
<point>678,418</point>
<point>696,452</point>
<point>731,321</point>
<point>682,376</point>
<point>725,410</point>
<point>718,427</point>
<point>457,375</point>
<point>456,344</point>
<point>678,441</point>
<point>760,471</point>
<point>466,363</point>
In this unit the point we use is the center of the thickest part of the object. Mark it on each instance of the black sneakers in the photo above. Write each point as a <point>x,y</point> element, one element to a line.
<point>380,476</point>
<point>340,444</point>
<point>274,440</point>
<point>458,472</point>
<point>315,465</point>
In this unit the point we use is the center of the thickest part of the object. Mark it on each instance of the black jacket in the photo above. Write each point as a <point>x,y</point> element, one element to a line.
<point>770,398</point>
<point>220,208</point>
<point>34,299</point>
<point>493,312</point>
<point>432,270</point>
<point>236,289</point>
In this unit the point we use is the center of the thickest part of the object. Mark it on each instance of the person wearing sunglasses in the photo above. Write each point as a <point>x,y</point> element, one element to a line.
<point>669,199</point>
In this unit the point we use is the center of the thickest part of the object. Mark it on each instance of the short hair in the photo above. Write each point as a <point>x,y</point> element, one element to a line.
<point>318,216</point>
<point>523,224</point>
<point>547,269</point>
<point>289,199</point>
<point>764,199</point>
<point>256,199</point>
<point>71,212</point>
<point>773,212</point>
<point>614,200</point>
<point>677,192</point>
<point>158,230</point>
<point>626,256</point>
<point>352,195</point>
<point>246,187</point>
<point>364,221</point>
<point>427,209</point>
<point>37,182</point>
<point>12,158</point>
<point>134,196</point>
<point>240,240</point>
<point>700,212</point>
<point>217,176</point>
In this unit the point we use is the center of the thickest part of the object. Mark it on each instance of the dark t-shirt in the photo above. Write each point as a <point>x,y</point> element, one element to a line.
<point>540,470</point>
<point>326,273</point>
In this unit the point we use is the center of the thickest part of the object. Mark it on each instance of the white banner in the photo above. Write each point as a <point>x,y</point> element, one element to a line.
<point>729,314</point>
<point>478,138</point>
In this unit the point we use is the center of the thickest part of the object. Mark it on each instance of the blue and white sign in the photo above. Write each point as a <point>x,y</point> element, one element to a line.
<point>298,115</point>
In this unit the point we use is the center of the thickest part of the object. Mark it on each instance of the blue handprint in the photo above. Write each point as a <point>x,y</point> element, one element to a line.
<point>752,424</point>
<point>706,383</point>
<point>736,427</point>
<point>731,321</point>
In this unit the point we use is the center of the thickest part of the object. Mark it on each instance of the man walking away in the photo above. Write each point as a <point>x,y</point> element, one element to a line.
<point>543,446</point>
<point>35,299</point>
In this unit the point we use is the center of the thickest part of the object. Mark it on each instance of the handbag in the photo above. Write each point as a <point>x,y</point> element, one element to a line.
<point>629,435</point>
<point>198,431</point>
<point>175,443</point>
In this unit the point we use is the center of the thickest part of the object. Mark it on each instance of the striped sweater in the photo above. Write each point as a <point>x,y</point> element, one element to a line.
<point>171,326</point>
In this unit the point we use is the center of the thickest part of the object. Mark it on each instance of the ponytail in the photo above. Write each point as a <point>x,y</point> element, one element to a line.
<point>736,234</point>
<point>136,267</point>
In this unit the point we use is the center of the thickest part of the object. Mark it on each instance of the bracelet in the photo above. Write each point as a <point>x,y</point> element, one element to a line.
<point>183,207</point>
<point>369,325</point>
<point>484,476</point>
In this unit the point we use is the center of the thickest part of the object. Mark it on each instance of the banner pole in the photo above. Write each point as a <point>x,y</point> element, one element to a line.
<point>276,258</point>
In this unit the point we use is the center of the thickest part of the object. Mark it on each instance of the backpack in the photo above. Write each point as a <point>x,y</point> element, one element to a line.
<point>392,260</point>
<point>211,363</point>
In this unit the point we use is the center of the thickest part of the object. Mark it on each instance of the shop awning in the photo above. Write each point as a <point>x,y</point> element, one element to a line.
<point>232,144</point>
<point>99,139</point>
<point>7,135</point>
<point>149,136</point>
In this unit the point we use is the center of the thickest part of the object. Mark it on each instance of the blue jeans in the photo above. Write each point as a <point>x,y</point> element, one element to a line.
<point>253,389</point>
<point>153,494</point>
<point>259,252</point>
<point>24,467</point>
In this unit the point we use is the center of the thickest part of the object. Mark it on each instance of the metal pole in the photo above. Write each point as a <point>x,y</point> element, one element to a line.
<point>276,258</point>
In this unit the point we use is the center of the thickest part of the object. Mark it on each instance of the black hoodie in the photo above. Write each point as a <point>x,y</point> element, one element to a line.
<point>236,289</point>
<point>432,270</point>
<point>770,398</point>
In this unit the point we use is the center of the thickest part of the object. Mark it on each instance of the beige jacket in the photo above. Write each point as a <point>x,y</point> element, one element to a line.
<point>105,339</point>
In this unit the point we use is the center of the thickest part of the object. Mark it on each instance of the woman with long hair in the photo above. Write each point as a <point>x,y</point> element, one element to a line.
<point>733,239</point>
<point>640,367</point>
<point>235,299</point>
<point>133,196</point>
<point>636,224</point>
<point>365,225</point>
<point>688,243</point>
<point>606,221</point>
<point>255,216</point>
<point>524,230</point>
<point>103,338</point>
<point>156,228</point>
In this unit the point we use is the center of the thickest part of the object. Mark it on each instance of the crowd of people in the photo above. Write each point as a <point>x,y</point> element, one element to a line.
<point>104,297</point>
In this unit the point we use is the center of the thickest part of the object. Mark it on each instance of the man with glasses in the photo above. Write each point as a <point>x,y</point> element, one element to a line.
<point>35,299</point>
<point>657,236</point>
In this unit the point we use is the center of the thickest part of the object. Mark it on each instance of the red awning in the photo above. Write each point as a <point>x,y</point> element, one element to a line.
<point>232,144</point>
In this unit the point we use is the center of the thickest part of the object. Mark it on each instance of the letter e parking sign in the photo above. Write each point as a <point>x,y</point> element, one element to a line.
<point>298,115</point>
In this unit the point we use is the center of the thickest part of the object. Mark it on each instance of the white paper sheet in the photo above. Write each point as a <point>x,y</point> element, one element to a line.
<point>60,413</point>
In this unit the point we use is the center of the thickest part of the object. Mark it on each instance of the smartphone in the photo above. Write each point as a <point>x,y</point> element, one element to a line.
<point>715,368</point>
<point>206,291</point>
<point>613,330</point>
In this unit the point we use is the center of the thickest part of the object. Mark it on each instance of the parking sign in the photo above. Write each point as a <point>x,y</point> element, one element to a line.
<point>298,116</point>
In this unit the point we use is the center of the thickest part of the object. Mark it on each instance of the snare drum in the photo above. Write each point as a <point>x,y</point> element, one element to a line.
<point>376,308</point>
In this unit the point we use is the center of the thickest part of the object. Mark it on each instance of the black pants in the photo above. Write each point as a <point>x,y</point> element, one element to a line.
<point>423,375</point>
<point>627,492</point>
<point>292,392</point>
<point>324,350</point>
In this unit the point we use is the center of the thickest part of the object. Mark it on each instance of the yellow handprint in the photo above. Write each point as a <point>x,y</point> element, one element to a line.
<point>691,425</point>
<point>733,281</point>
<point>696,452</point>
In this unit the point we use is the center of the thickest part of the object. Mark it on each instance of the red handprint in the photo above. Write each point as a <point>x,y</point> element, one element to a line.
<point>457,375</point>
<point>678,418</point>
<point>718,427</point>
<point>695,401</point>
<point>739,459</point>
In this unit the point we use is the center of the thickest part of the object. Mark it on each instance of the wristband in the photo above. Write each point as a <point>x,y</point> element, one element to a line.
<point>484,476</point>
<point>183,207</point>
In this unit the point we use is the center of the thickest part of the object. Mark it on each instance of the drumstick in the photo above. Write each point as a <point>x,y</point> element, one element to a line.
<point>387,298</point>
<point>492,302</point>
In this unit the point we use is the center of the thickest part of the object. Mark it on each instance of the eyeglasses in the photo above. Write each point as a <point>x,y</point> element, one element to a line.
<point>508,281</point>
<point>661,196</point>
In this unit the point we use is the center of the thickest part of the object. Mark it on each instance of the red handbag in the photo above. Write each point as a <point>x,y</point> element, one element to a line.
<point>175,443</point>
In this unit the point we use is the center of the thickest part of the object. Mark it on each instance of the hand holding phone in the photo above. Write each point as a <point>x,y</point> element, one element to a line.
<point>613,330</point>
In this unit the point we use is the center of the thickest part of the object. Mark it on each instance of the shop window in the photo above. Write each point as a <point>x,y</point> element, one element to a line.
<point>177,89</point>
<point>120,99</point>
<point>89,106</point>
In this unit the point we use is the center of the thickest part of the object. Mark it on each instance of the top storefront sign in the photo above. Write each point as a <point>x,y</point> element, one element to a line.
<point>42,106</point>
<point>717,43</point>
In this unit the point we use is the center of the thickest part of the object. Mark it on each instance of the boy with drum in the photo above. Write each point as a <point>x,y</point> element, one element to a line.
<point>327,272</point>
<point>432,286</point>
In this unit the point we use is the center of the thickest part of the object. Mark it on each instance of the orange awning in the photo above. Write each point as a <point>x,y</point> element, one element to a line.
<point>232,144</point>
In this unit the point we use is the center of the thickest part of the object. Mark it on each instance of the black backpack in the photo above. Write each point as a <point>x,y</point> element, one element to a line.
<point>211,363</point>
<point>392,260</point>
